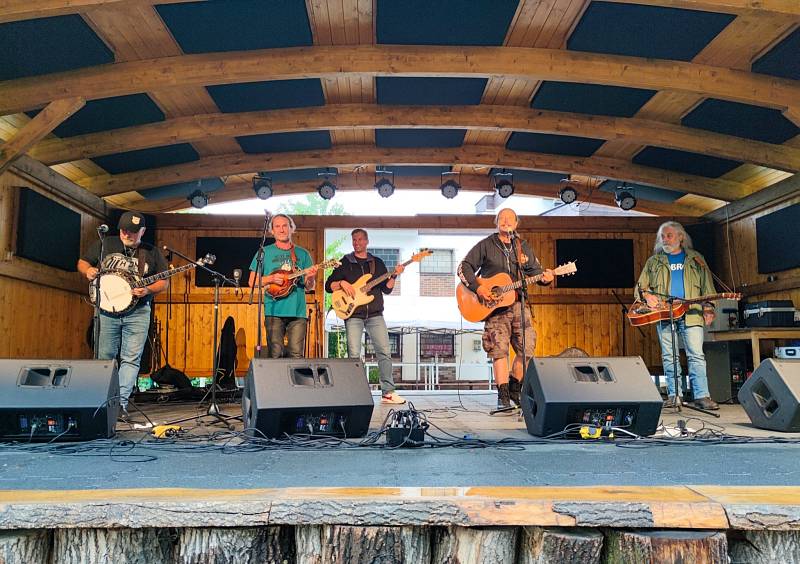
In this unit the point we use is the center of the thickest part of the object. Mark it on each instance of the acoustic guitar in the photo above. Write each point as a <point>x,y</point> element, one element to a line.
<point>345,306</point>
<point>473,308</point>
<point>642,314</point>
<point>278,291</point>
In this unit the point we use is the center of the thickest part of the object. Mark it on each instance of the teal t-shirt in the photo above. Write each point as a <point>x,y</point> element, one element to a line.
<point>293,305</point>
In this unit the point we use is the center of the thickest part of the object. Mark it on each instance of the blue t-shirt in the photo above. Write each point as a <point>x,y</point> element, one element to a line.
<point>293,305</point>
<point>676,274</point>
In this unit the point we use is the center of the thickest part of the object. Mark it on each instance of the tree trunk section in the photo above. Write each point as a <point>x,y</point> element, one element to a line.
<point>25,546</point>
<point>628,547</point>
<point>246,545</point>
<point>308,543</point>
<point>347,544</point>
<point>475,545</point>
<point>541,546</point>
<point>112,546</point>
<point>765,546</point>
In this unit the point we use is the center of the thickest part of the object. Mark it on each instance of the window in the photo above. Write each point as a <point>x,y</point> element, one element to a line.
<point>440,262</point>
<point>391,257</point>
<point>395,346</point>
<point>436,345</point>
<point>437,274</point>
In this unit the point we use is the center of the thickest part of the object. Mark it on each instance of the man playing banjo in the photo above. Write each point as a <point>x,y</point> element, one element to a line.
<point>125,334</point>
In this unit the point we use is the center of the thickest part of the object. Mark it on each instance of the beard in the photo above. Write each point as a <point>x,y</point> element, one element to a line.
<point>669,249</point>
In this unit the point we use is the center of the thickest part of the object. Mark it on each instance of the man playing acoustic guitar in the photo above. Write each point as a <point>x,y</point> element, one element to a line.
<point>285,316</point>
<point>368,316</point>
<point>676,269</point>
<point>503,252</point>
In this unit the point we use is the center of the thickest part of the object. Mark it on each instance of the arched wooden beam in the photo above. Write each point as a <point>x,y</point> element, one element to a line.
<point>381,60</point>
<point>240,188</point>
<point>475,155</point>
<point>15,10</point>
<point>371,116</point>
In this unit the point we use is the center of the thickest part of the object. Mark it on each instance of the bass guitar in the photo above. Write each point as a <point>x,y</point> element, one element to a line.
<point>345,306</point>
<point>642,314</point>
<point>290,277</point>
<point>116,286</point>
<point>474,308</point>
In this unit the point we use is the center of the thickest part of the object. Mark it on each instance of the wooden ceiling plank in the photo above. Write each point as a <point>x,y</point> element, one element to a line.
<point>275,64</point>
<point>37,128</point>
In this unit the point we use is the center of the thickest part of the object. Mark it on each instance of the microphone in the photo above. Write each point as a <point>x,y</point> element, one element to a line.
<point>237,275</point>
<point>102,228</point>
<point>512,234</point>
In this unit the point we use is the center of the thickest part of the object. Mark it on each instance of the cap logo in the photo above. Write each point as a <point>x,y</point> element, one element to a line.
<point>135,220</point>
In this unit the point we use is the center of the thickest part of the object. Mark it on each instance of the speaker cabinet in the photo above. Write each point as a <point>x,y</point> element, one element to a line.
<point>58,400</point>
<point>771,396</point>
<point>328,397</point>
<point>561,392</point>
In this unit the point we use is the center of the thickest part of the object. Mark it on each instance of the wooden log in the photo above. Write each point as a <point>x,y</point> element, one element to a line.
<point>308,543</point>
<point>626,547</point>
<point>340,543</point>
<point>235,545</point>
<point>764,546</point>
<point>120,546</point>
<point>476,545</point>
<point>30,546</point>
<point>540,546</point>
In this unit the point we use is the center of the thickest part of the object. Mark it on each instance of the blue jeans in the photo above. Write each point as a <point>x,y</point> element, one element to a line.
<point>693,342</point>
<point>379,335</point>
<point>125,337</point>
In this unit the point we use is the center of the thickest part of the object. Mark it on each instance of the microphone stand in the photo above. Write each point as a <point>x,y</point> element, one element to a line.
<point>522,305</point>
<point>260,275</point>
<point>213,408</point>
<point>96,323</point>
<point>669,300</point>
<point>624,313</point>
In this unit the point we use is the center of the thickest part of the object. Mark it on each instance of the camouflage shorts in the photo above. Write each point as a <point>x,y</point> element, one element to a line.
<point>504,328</point>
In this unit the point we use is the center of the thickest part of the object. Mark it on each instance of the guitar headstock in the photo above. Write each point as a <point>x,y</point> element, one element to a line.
<point>208,259</point>
<point>566,269</point>
<point>421,255</point>
<point>330,263</point>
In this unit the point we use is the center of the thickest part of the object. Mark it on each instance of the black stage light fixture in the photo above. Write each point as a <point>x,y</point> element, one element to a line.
<point>384,182</point>
<point>262,186</point>
<point>625,199</point>
<point>504,184</point>
<point>450,187</point>
<point>198,199</point>
<point>326,190</point>
<point>568,194</point>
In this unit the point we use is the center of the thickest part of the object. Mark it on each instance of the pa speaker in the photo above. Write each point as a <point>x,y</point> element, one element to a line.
<point>58,400</point>
<point>771,396</point>
<point>328,397</point>
<point>566,393</point>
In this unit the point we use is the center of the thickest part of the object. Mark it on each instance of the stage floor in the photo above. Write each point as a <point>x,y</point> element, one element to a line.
<point>487,451</point>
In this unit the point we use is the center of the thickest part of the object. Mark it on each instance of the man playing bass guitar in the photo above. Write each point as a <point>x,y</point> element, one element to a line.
<point>285,316</point>
<point>503,252</point>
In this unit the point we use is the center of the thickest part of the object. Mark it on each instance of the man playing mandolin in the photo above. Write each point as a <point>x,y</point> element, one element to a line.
<point>285,314</point>
<point>503,252</point>
<point>125,335</point>
<point>676,269</point>
<point>368,316</point>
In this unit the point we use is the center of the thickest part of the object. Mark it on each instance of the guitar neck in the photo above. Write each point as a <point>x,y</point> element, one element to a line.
<point>164,275</point>
<point>305,271</point>
<point>385,276</point>
<point>709,298</point>
<point>518,284</point>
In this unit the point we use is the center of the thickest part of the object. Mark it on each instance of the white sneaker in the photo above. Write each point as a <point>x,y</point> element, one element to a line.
<point>392,397</point>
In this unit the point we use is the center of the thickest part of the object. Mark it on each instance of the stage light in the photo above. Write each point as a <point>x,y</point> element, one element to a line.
<point>568,194</point>
<point>449,188</point>
<point>326,190</point>
<point>198,199</point>
<point>262,186</point>
<point>504,184</point>
<point>625,199</point>
<point>384,183</point>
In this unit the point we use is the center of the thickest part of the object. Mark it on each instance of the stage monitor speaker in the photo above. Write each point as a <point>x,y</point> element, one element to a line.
<point>771,396</point>
<point>322,396</point>
<point>562,392</point>
<point>58,400</point>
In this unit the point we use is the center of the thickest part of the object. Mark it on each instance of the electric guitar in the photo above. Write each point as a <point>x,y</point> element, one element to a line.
<point>474,308</point>
<point>278,291</point>
<point>345,306</point>
<point>642,314</point>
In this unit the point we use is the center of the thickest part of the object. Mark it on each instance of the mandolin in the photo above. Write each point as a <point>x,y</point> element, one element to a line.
<point>278,291</point>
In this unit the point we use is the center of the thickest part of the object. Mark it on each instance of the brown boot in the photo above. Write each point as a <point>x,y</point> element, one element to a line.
<point>706,403</point>
<point>514,391</point>
<point>503,401</point>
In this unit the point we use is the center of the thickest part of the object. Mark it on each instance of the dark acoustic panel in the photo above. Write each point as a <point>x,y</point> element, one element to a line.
<point>231,253</point>
<point>703,239</point>
<point>569,392</point>
<point>58,400</point>
<point>774,232</point>
<point>602,263</point>
<point>47,232</point>
<point>321,397</point>
<point>771,396</point>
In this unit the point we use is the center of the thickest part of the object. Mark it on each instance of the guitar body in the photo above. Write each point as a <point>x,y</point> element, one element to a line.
<point>278,291</point>
<point>344,305</point>
<point>642,314</point>
<point>473,308</point>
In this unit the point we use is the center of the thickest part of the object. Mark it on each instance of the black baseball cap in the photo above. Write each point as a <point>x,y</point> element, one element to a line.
<point>131,221</point>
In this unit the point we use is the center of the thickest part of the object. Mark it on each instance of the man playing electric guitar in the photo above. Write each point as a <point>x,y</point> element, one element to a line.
<point>370,315</point>
<point>285,317</point>
<point>503,252</point>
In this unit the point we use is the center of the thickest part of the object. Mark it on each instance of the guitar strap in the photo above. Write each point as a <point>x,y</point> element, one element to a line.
<point>294,258</point>
<point>140,260</point>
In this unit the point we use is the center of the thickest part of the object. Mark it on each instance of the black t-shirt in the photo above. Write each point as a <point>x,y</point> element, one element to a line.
<point>116,256</point>
<point>353,268</point>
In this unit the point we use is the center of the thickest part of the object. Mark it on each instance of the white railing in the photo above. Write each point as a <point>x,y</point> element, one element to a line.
<point>427,375</point>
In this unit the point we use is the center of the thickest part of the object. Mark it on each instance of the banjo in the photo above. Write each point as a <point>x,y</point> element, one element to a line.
<point>116,286</point>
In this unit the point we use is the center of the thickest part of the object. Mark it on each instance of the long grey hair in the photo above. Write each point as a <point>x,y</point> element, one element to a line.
<point>687,240</point>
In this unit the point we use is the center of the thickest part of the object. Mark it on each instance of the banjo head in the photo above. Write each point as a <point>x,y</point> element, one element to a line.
<point>115,291</point>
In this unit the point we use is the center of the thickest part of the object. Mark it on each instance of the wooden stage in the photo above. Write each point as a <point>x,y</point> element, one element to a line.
<point>496,494</point>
